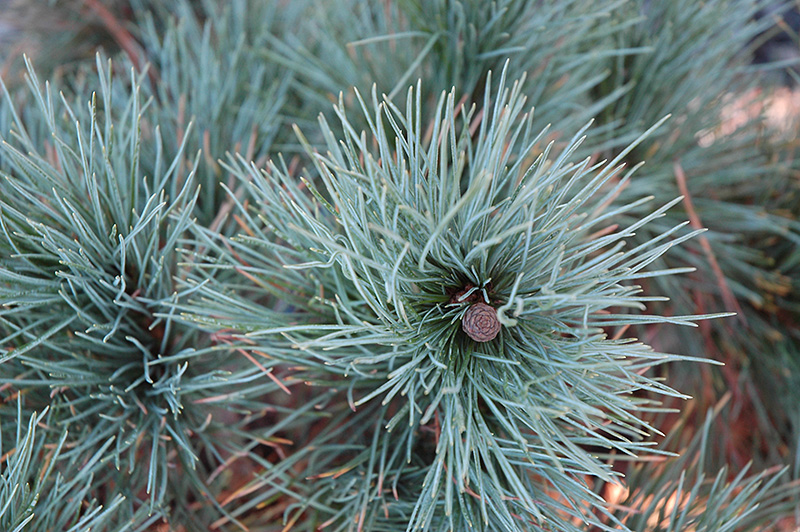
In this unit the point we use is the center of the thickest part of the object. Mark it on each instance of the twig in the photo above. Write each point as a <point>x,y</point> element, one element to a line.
<point>727,294</point>
<point>123,37</point>
<point>117,30</point>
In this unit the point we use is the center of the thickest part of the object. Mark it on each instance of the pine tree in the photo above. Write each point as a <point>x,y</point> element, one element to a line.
<point>397,266</point>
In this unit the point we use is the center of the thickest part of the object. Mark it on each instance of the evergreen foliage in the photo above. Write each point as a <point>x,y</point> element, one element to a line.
<point>379,268</point>
<point>398,266</point>
<point>89,262</point>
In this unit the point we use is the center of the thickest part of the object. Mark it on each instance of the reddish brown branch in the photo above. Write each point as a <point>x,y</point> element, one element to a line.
<point>117,30</point>
<point>727,294</point>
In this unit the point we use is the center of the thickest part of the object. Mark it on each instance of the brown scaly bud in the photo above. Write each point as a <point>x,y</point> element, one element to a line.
<point>480,322</point>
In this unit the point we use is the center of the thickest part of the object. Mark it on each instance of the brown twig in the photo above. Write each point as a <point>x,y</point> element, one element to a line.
<point>123,37</point>
<point>727,294</point>
<point>117,30</point>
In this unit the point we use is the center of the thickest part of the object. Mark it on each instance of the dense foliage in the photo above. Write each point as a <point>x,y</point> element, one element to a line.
<point>449,265</point>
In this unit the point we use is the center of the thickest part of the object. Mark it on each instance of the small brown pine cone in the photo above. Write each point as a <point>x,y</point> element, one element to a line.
<point>480,322</point>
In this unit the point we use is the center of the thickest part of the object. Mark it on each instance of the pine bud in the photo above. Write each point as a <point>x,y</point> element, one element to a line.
<point>480,322</point>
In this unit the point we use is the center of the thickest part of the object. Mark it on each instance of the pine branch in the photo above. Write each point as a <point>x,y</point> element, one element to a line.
<point>364,284</point>
<point>697,69</point>
<point>30,498</point>
<point>680,494</point>
<point>211,72</point>
<point>735,173</point>
<point>87,285</point>
<point>454,44</point>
